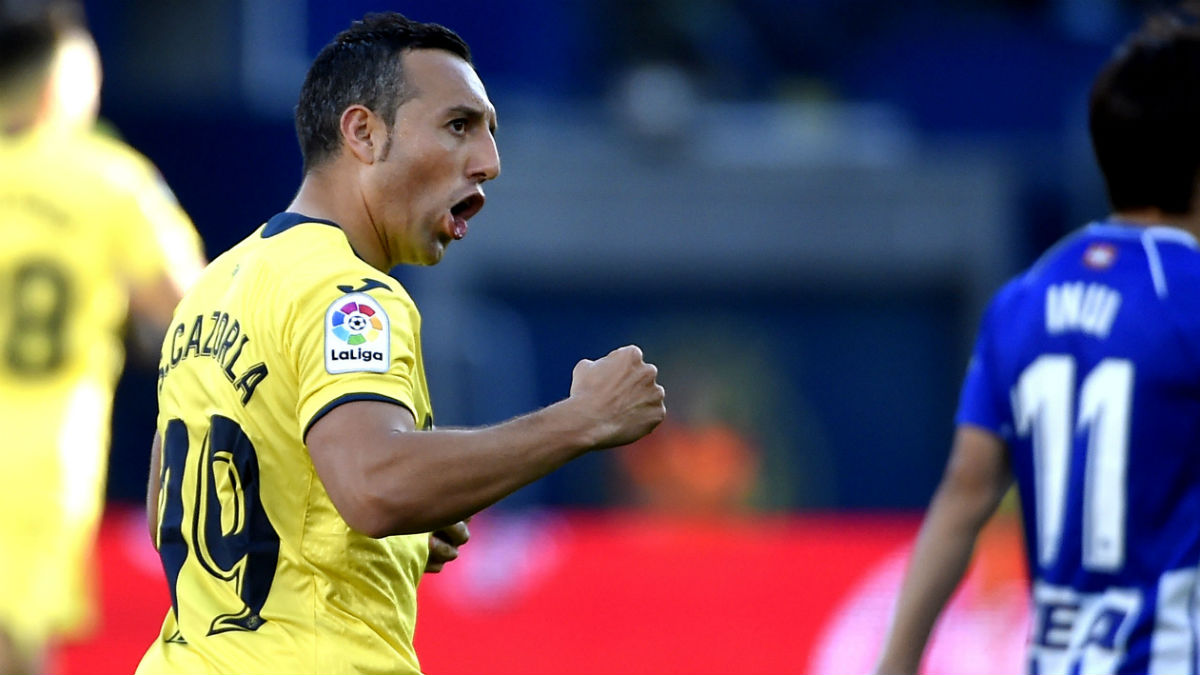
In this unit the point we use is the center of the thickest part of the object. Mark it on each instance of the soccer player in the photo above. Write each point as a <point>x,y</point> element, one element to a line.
<point>301,471</point>
<point>89,231</point>
<point>1084,387</point>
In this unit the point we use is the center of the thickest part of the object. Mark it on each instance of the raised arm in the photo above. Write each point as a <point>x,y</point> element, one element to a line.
<point>975,480</point>
<point>386,478</point>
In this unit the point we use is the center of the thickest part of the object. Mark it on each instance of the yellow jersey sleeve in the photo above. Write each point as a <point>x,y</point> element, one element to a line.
<point>152,236</point>
<point>358,343</point>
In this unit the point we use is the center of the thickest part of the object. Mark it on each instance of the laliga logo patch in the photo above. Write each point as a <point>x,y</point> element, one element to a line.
<point>357,335</point>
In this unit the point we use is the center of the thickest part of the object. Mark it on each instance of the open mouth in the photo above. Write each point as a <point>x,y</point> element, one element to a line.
<point>467,207</point>
<point>461,212</point>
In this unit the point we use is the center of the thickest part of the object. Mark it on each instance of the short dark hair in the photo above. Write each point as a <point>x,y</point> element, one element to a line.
<point>362,65</point>
<point>29,34</point>
<point>1144,115</point>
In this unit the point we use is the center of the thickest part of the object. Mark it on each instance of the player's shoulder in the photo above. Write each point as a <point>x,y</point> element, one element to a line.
<point>1177,251</point>
<point>110,165</point>
<point>1174,264</point>
<point>1119,253</point>
<point>1068,254</point>
<point>1146,269</point>
<point>101,148</point>
<point>1026,288</point>
<point>292,241</point>
<point>1166,259</point>
<point>86,159</point>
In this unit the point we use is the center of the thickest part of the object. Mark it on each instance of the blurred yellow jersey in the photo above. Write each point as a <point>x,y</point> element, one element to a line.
<point>85,219</point>
<point>265,575</point>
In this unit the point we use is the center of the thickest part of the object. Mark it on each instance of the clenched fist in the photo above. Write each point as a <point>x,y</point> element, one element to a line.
<point>620,394</point>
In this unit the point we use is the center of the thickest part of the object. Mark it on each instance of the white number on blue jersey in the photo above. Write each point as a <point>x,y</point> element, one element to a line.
<point>1043,405</point>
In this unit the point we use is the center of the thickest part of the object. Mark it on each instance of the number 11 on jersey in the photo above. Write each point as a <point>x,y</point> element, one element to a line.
<point>1044,407</point>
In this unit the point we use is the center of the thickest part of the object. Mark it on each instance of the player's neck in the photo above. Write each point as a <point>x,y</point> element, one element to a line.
<point>1151,217</point>
<point>321,197</point>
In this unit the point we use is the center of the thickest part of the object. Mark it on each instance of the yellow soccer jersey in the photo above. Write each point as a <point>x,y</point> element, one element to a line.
<point>265,575</point>
<point>84,218</point>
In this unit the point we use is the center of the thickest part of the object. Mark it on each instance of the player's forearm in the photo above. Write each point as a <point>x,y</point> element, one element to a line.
<point>938,563</point>
<point>973,486</point>
<point>431,479</point>
<point>385,477</point>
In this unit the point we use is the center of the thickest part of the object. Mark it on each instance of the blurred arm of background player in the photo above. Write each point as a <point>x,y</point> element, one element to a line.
<point>152,303</point>
<point>71,103</point>
<point>976,479</point>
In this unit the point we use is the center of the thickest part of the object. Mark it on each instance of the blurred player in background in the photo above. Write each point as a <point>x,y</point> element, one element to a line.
<point>301,474</point>
<point>1085,387</point>
<point>89,232</point>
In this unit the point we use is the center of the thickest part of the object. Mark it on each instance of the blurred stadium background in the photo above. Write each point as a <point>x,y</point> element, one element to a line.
<point>797,207</point>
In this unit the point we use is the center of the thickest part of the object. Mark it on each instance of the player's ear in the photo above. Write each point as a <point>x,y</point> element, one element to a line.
<point>360,133</point>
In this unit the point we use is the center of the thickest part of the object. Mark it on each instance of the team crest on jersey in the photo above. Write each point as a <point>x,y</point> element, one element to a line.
<point>1100,256</point>
<point>357,335</point>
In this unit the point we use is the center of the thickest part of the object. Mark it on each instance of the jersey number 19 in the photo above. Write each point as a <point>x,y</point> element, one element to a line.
<point>233,540</point>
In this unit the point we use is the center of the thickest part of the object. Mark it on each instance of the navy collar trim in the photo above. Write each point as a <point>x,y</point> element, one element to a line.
<point>281,222</point>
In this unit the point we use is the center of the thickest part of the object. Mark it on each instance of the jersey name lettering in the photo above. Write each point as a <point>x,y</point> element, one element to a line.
<point>1075,306</point>
<point>219,337</point>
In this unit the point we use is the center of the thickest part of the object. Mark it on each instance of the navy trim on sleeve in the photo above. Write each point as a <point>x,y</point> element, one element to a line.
<point>363,396</point>
<point>287,220</point>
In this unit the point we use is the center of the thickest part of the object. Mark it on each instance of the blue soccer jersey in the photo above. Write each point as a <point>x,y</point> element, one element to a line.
<point>1088,367</point>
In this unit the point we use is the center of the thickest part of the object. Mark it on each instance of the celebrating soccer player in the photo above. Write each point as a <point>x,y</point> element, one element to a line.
<point>299,473</point>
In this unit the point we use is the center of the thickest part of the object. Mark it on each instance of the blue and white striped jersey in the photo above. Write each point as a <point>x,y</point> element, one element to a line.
<point>1088,367</point>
